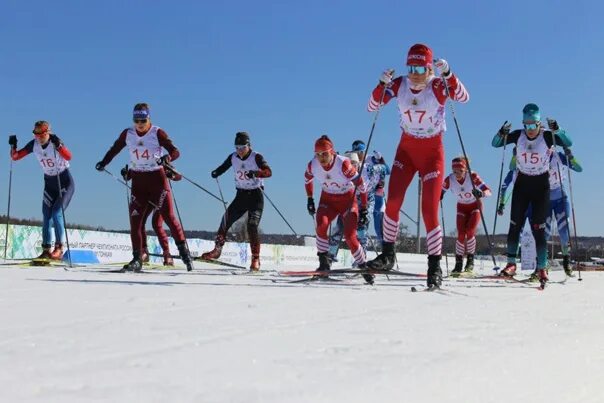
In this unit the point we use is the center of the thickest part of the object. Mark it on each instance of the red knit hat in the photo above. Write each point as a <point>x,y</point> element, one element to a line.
<point>459,162</point>
<point>323,144</point>
<point>419,55</point>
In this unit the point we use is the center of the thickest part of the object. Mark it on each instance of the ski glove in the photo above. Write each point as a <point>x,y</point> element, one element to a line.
<point>100,166</point>
<point>363,219</point>
<point>124,173</point>
<point>214,174</point>
<point>251,174</point>
<point>505,129</point>
<point>552,125</point>
<point>55,140</point>
<point>164,160</point>
<point>386,77</point>
<point>500,209</point>
<point>443,66</point>
<point>477,193</point>
<point>310,206</point>
<point>12,141</point>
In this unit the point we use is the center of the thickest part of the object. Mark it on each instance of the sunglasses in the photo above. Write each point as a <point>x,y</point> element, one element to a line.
<point>417,69</point>
<point>140,121</point>
<point>531,126</point>
<point>241,147</point>
<point>37,132</point>
<point>322,153</point>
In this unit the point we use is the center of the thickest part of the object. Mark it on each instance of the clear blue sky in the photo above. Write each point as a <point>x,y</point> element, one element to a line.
<point>286,73</point>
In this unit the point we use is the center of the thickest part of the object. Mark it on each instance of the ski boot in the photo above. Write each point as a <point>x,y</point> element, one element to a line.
<point>255,265</point>
<point>509,270</point>
<point>566,265</point>
<point>534,277</point>
<point>185,256</point>
<point>435,274</point>
<point>385,260</point>
<point>324,263</point>
<point>469,269</point>
<point>369,278</point>
<point>458,266</point>
<point>217,251</point>
<point>135,265</point>
<point>543,279</point>
<point>168,260</point>
<point>45,253</point>
<point>57,253</point>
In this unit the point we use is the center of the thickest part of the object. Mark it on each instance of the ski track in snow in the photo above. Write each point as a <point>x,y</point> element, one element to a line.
<point>171,336</point>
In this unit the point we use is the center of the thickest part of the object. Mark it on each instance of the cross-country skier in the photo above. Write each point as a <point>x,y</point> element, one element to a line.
<point>249,168</point>
<point>468,211</point>
<point>533,152</point>
<point>379,206</point>
<point>558,200</point>
<point>421,98</point>
<point>373,174</point>
<point>54,158</point>
<point>338,178</point>
<point>157,222</point>
<point>150,188</point>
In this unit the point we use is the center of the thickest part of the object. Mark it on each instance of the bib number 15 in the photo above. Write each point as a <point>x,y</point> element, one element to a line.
<point>530,158</point>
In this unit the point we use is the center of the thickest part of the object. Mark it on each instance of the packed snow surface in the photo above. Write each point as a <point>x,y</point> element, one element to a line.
<point>211,336</point>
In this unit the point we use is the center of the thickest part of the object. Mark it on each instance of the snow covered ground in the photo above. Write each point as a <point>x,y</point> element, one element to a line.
<point>175,337</point>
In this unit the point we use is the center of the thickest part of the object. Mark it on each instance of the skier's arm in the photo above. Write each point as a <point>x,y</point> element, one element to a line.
<point>561,139</point>
<point>351,173</point>
<point>480,185</point>
<point>115,149</point>
<point>457,91</point>
<point>376,95</point>
<point>446,185</point>
<point>308,180</point>
<point>166,143</point>
<point>569,160</point>
<point>505,185</point>
<point>60,147</point>
<point>264,171</point>
<point>498,140</point>
<point>223,167</point>
<point>17,155</point>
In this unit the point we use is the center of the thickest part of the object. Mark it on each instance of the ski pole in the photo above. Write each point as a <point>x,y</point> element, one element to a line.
<point>10,182</point>
<point>408,216</point>
<point>179,219</point>
<point>375,118</point>
<point>62,207</point>
<point>277,210</point>
<point>572,207</point>
<point>442,218</point>
<point>463,149</point>
<point>224,218</point>
<point>505,138</point>
<point>170,167</point>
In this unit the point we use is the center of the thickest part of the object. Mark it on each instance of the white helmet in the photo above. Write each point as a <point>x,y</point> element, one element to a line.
<point>353,157</point>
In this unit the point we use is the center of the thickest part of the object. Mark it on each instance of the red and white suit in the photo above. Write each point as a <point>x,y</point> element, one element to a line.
<point>422,120</point>
<point>337,199</point>
<point>468,210</point>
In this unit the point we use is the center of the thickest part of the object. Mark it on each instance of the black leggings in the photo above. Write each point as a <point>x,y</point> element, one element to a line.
<point>533,191</point>
<point>252,202</point>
